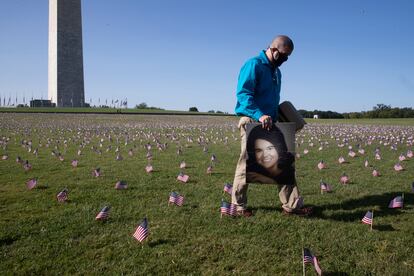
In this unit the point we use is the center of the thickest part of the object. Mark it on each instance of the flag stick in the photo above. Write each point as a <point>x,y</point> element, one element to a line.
<point>372,221</point>
<point>402,206</point>
<point>303,263</point>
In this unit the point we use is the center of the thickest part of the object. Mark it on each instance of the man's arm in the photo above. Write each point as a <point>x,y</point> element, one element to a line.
<point>245,95</point>
<point>245,92</point>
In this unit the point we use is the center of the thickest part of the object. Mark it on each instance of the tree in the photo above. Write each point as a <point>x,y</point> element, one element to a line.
<point>141,106</point>
<point>193,109</point>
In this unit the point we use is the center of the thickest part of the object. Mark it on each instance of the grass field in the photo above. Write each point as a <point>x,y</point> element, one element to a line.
<point>39,235</point>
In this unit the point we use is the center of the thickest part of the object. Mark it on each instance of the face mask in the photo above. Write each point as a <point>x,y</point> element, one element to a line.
<point>278,59</point>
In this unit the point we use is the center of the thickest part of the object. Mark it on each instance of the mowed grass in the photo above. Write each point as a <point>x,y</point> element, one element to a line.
<point>39,235</point>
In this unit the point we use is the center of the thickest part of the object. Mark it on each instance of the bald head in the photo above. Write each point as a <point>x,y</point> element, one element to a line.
<point>282,43</point>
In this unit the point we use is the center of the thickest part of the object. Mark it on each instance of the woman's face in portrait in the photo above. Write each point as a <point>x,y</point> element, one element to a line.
<point>266,154</point>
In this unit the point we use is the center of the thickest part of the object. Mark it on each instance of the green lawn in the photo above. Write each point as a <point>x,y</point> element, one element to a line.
<point>39,235</point>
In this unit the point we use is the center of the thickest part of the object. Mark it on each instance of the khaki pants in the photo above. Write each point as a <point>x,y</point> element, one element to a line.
<point>288,194</point>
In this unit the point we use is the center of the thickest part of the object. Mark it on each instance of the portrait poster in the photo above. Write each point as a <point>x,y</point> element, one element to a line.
<point>270,154</point>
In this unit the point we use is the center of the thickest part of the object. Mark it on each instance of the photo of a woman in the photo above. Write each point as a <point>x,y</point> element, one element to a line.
<point>269,160</point>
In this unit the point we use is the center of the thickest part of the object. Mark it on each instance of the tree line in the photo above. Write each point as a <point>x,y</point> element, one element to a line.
<point>378,111</point>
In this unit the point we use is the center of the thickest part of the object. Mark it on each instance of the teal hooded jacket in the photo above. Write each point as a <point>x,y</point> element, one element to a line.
<point>258,88</point>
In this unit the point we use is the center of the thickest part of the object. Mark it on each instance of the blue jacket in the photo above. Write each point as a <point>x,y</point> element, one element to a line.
<point>258,88</point>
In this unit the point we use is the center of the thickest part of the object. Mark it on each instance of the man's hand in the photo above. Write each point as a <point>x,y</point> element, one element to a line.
<point>266,121</point>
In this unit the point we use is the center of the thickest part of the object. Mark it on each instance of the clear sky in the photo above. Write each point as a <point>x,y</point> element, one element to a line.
<point>174,54</point>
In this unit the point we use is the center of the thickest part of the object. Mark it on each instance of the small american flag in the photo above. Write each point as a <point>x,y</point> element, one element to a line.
<point>149,169</point>
<point>309,258</point>
<point>103,214</point>
<point>96,172</point>
<point>228,188</point>
<point>213,158</point>
<point>27,166</point>
<point>410,154</point>
<point>366,164</point>
<point>398,167</point>
<point>375,173</point>
<point>74,163</point>
<point>5,157</point>
<point>183,165</point>
<point>228,209</point>
<point>121,185</point>
<point>182,177</point>
<point>209,169</point>
<point>141,233</point>
<point>325,187</point>
<point>62,196</point>
<point>401,157</point>
<point>397,202</point>
<point>31,183</point>
<point>367,219</point>
<point>344,179</point>
<point>149,155</point>
<point>176,199</point>
<point>321,165</point>
<point>352,153</point>
<point>341,160</point>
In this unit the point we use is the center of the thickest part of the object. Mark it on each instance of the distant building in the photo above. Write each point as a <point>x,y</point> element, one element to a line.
<point>42,103</point>
<point>316,116</point>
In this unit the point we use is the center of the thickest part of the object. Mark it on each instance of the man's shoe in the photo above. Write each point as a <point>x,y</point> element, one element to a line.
<point>244,213</point>
<point>305,211</point>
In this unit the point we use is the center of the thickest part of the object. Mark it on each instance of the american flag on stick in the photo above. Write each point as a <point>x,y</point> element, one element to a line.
<point>397,202</point>
<point>62,196</point>
<point>149,168</point>
<point>182,177</point>
<point>31,183</point>
<point>121,185</point>
<point>368,218</point>
<point>398,167</point>
<point>309,258</point>
<point>96,172</point>
<point>142,231</point>
<point>344,179</point>
<point>321,165</point>
<point>103,214</point>
<point>228,188</point>
<point>74,163</point>
<point>176,199</point>
<point>228,209</point>
<point>325,187</point>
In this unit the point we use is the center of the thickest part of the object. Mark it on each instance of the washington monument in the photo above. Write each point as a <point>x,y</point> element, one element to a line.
<point>65,84</point>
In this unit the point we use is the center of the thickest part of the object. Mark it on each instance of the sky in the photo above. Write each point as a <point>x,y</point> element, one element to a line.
<point>174,54</point>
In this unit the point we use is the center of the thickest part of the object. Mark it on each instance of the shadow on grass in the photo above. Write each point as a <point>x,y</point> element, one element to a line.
<point>158,242</point>
<point>336,273</point>
<point>42,187</point>
<point>383,228</point>
<point>380,202</point>
<point>8,240</point>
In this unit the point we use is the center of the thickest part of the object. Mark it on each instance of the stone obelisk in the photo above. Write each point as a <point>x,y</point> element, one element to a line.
<point>65,84</point>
